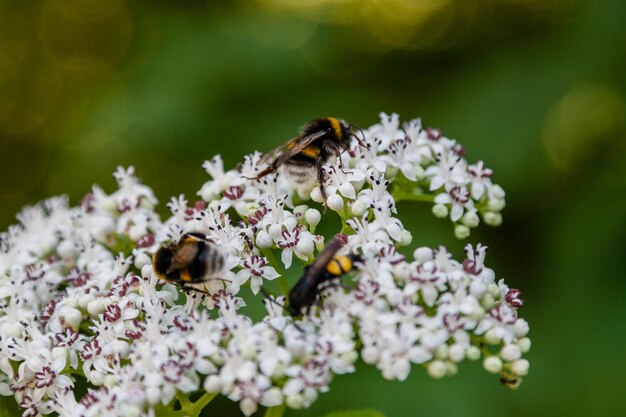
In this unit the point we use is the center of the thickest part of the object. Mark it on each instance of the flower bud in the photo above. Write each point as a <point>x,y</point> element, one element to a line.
<point>248,406</point>
<point>492,219</point>
<point>358,208</point>
<point>497,192</point>
<point>461,231</point>
<point>487,301</point>
<point>440,211</point>
<point>457,353</point>
<point>349,357</point>
<point>419,172</point>
<point>153,395</point>
<point>67,250</point>
<point>305,247</point>
<point>59,352</point>
<point>401,271</point>
<point>491,337</point>
<point>319,242</point>
<point>299,210</point>
<point>405,238</point>
<point>252,207</point>
<point>312,217</point>
<point>524,344</point>
<point>370,354</point>
<point>85,300</point>
<point>316,195</point>
<point>136,232</point>
<point>212,384</point>
<point>110,380</point>
<point>520,328</point>
<point>272,397</point>
<point>470,219</point>
<point>71,301</point>
<point>97,378</point>
<point>437,369</point>
<point>520,367</point>
<point>264,240</point>
<point>131,411</point>
<point>72,316</point>
<point>11,330</point>
<point>442,352</point>
<point>473,353</point>
<point>335,202</point>
<point>141,260</point>
<point>492,364</point>
<point>295,401</point>
<point>423,254</point>
<point>107,204</point>
<point>96,307</point>
<point>347,190</point>
<point>495,204</point>
<point>451,368</point>
<point>510,353</point>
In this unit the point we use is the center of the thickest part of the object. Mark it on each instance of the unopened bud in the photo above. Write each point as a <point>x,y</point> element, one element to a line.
<point>440,211</point>
<point>492,219</point>
<point>437,369</point>
<point>312,217</point>
<point>492,364</point>
<point>335,202</point>
<point>461,231</point>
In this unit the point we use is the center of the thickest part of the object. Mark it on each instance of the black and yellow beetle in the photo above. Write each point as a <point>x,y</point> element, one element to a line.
<point>327,266</point>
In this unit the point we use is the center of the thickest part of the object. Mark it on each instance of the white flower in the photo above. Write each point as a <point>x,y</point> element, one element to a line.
<point>480,179</point>
<point>293,241</point>
<point>459,198</point>
<point>255,269</point>
<point>448,172</point>
<point>79,294</point>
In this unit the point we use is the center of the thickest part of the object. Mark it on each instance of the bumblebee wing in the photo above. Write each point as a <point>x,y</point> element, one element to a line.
<point>325,256</point>
<point>287,150</point>
<point>184,256</point>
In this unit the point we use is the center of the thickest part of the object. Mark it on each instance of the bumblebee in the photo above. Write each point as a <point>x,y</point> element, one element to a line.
<point>304,155</point>
<point>327,266</point>
<point>193,259</point>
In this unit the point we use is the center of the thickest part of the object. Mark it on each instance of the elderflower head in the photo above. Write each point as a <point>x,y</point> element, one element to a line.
<point>79,296</point>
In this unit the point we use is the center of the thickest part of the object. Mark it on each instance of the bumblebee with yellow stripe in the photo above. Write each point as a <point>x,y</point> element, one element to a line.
<point>304,155</point>
<point>192,260</point>
<point>327,266</point>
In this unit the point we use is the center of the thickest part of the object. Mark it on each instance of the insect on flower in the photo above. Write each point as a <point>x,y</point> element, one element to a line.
<point>192,260</point>
<point>304,155</point>
<point>327,266</point>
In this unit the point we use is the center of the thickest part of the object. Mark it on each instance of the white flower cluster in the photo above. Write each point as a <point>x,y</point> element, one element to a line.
<point>80,302</point>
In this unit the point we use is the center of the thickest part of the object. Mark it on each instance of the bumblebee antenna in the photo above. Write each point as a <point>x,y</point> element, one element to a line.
<point>361,142</point>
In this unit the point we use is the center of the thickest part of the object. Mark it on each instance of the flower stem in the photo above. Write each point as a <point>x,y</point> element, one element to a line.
<point>188,409</point>
<point>282,281</point>
<point>195,408</point>
<point>277,411</point>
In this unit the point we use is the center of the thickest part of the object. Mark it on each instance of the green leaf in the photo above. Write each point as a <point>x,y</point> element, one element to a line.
<point>355,413</point>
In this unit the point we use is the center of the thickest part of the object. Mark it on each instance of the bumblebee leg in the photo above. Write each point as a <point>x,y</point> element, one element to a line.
<point>189,290</point>
<point>321,176</point>
<point>263,173</point>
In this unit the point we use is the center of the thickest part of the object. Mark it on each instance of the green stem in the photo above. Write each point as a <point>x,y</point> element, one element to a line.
<point>188,409</point>
<point>277,411</point>
<point>183,400</point>
<point>282,281</point>
<point>196,407</point>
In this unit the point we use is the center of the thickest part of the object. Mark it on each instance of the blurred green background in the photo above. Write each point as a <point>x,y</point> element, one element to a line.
<point>536,88</point>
